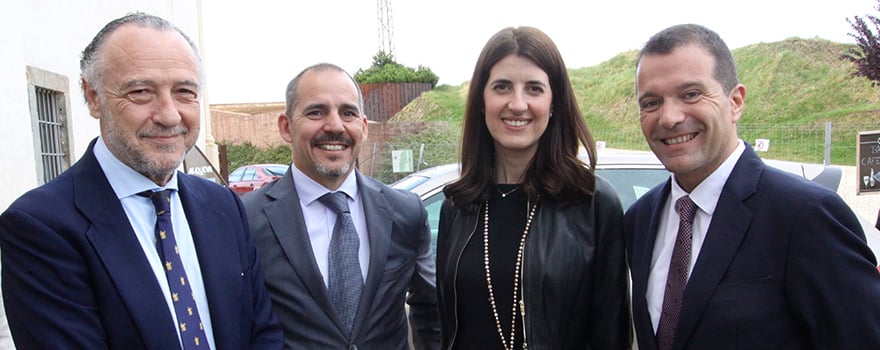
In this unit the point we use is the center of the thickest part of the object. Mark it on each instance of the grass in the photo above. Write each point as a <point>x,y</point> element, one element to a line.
<point>793,87</point>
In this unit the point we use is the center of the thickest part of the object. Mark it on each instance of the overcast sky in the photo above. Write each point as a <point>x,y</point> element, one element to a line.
<point>253,48</point>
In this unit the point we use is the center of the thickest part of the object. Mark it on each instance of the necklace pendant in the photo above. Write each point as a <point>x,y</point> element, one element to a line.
<point>505,194</point>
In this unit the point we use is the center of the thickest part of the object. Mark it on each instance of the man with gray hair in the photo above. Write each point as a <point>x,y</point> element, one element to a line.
<point>122,251</point>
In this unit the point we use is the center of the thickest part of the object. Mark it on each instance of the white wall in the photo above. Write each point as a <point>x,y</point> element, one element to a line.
<point>50,35</point>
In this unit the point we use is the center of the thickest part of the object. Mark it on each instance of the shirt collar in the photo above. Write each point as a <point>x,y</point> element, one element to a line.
<point>706,194</point>
<point>310,190</point>
<point>124,180</point>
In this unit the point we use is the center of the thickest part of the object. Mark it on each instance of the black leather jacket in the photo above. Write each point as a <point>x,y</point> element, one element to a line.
<point>575,275</point>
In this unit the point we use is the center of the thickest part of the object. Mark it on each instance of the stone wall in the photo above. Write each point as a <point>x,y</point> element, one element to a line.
<point>259,129</point>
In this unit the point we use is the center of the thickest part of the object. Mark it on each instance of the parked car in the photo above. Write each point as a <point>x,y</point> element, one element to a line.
<point>252,177</point>
<point>632,173</point>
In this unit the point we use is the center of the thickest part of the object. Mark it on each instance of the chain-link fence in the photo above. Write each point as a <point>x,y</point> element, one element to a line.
<point>390,162</point>
<point>795,142</point>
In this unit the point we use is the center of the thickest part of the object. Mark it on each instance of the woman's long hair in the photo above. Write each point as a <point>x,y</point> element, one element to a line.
<point>555,171</point>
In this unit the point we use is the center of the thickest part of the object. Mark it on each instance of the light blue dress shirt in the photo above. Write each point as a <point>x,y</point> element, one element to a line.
<point>320,219</point>
<point>127,183</point>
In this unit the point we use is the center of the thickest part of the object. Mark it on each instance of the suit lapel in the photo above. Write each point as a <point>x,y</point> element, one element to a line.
<point>379,225</point>
<point>286,219</point>
<point>729,225</point>
<point>120,252</point>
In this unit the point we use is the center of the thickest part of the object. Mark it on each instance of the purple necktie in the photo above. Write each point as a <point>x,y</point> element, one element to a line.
<point>677,278</point>
<point>345,281</point>
<point>192,334</point>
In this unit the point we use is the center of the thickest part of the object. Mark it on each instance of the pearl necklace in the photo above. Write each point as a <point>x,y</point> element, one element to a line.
<point>516,275</point>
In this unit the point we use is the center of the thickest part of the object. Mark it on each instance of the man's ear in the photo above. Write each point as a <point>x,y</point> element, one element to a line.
<point>92,100</point>
<point>737,101</point>
<point>366,124</point>
<point>284,127</point>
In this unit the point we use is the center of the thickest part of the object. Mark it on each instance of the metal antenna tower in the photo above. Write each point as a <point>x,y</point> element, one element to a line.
<point>386,26</point>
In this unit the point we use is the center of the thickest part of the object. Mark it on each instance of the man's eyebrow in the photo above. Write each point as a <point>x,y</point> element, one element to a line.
<point>351,106</point>
<point>313,106</point>
<point>188,83</point>
<point>691,84</point>
<point>138,82</point>
<point>149,82</point>
<point>646,94</point>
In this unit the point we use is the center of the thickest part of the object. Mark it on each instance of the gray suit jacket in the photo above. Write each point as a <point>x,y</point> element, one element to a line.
<point>400,254</point>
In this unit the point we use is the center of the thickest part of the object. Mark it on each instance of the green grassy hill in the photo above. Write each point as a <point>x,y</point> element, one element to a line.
<point>793,87</point>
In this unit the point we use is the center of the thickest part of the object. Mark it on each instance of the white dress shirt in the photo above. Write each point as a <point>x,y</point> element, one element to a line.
<point>320,219</point>
<point>705,196</point>
<point>127,183</point>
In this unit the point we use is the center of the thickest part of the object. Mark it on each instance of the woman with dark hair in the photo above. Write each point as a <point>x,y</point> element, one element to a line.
<point>530,247</point>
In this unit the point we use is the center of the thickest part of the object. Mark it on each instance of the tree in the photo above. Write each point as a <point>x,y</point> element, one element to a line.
<point>386,70</point>
<point>867,56</point>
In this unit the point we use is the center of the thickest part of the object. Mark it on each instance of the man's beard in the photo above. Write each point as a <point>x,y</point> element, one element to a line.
<point>321,168</point>
<point>137,158</point>
<point>341,171</point>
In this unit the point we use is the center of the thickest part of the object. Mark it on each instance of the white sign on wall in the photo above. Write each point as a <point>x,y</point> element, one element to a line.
<point>402,161</point>
<point>762,145</point>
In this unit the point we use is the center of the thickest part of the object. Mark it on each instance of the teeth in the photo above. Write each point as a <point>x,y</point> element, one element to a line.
<point>515,122</point>
<point>680,139</point>
<point>332,147</point>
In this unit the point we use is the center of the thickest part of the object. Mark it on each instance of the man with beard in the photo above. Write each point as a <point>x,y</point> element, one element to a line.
<point>92,260</point>
<point>341,250</point>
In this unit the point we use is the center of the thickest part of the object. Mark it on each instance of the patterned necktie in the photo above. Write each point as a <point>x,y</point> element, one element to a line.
<point>345,281</point>
<point>192,334</point>
<point>679,266</point>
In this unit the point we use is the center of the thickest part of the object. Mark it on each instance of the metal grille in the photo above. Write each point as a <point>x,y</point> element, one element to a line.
<point>52,132</point>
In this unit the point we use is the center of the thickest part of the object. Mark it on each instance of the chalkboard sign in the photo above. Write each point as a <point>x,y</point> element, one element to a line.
<point>869,161</point>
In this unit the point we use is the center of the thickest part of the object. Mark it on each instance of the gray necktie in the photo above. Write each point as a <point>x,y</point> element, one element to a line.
<point>679,266</point>
<point>345,281</point>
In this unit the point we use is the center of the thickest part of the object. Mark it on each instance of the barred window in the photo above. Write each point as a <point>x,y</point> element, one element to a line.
<point>49,107</point>
<point>52,131</point>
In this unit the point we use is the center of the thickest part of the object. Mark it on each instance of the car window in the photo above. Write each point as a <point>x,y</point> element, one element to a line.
<point>236,175</point>
<point>250,174</point>
<point>432,205</point>
<point>275,170</point>
<point>631,184</point>
<point>410,182</point>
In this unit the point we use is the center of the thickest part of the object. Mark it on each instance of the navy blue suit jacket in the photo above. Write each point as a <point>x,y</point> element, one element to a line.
<point>784,266</point>
<point>75,277</point>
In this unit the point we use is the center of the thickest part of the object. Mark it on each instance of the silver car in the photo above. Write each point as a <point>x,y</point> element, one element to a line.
<point>632,173</point>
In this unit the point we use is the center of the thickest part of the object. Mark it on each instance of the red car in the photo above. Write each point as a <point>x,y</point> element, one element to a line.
<point>251,177</point>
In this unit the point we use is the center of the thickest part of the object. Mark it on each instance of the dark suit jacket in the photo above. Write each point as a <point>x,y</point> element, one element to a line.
<point>784,266</point>
<point>399,250</point>
<point>75,277</point>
